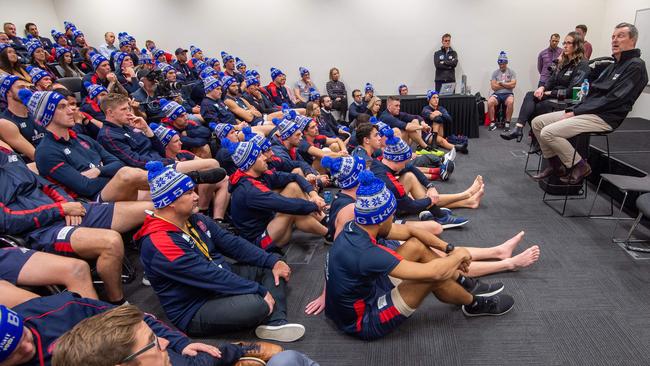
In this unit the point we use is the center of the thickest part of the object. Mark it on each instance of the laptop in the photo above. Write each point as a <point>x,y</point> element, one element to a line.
<point>447,89</point>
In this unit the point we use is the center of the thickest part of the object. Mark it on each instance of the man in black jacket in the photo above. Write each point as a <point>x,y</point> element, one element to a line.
<point>445,60</point>
<point>610,98</point>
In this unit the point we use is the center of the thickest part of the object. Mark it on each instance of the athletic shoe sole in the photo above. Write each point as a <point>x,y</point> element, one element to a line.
<point>449,226</point>
<point>488,294</point>
<point>280,333</point>
<point>485,314</point>
<point>451,155</point>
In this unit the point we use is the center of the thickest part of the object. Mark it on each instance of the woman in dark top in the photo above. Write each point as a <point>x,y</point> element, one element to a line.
<point>336,90</point>
<point>572,68</point>
<point>10,63</point>
<point>39,59</point>
<point>66,67</point>
<point>374,105</point>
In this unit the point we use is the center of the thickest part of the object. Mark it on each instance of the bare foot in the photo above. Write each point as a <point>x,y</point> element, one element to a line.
<point>478,182</point>
<point>475,200</point>
<point>524,259</point>
<point>505,250</point>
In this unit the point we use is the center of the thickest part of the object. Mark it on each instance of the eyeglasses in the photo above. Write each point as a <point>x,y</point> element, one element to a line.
<point>149,346</point>
<point>566,43</point>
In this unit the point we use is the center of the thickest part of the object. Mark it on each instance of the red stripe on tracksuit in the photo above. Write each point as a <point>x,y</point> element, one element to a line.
<point>387,314</point>
<point>397,184</point>
<point>359,308</point>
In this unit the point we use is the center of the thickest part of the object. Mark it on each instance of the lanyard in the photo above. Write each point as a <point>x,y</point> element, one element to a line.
<point>193,234</point>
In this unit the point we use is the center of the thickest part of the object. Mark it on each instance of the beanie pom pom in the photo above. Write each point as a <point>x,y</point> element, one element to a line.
<point>276,121</point>
<point>366,178</point>
<point>163,102</point>
<point>24,95</point>
<point>292,114</point>
<point>231,146</point>
<point>248,132</point>
<point>212,125</point>
<point>154,166</point>
<point>327,162</point>
<point>153,126</point>
<point>389,133</point>
<point>285,106</point>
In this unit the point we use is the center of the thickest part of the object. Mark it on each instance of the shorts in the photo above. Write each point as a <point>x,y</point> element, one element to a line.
<point>385,313</point>
<point>12,261</point>
<point>56,238</point>
<point>264,241</point>
<point>501,98</point>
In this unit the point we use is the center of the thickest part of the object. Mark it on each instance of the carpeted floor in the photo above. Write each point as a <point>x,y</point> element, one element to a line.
<point>586,302</point>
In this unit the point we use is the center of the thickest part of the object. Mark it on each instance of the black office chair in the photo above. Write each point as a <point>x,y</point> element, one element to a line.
<point>73,84</point>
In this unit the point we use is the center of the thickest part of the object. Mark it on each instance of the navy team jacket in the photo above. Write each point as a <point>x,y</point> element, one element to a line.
<point>183,277</point>
<point>132,147</point>
<point>404,202</point>
<point>283,153</point>
<point>193,135</point>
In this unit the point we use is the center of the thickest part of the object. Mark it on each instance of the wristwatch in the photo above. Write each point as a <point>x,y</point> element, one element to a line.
<point>431,185</point>
<point>450,248</point>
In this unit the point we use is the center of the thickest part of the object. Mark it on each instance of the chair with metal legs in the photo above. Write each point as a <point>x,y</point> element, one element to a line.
<point>643,205</point>
<point>625,184</point>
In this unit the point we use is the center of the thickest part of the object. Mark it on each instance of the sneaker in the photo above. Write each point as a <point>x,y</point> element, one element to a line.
<point>506,127</point>
<point>446,168</point>
<point>280,333</point>
<point>426,216</point>
<point>435,152</point>
<point>450,221</point>
<point>492,126</point>
<point>450,155</point>
<point>493,306</point>
<point>260,350</point>
<point>482,289</point>
<point>250,361</point>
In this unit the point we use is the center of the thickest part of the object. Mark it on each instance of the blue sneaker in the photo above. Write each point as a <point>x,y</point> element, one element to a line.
<point>446,168</point>
<point>450,221</point>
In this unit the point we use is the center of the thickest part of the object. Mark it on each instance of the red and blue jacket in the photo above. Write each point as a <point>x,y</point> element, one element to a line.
<point>91,108</point>
<point>279,95</point>
<point>253,203</point>
<point>130,146</point>
<point>192,135</point>
<point>183,277</point>
<point>405,203</point>
<point>283,153</point>
<point>93,78</point>
<point>216,111</point>
<point>48,318</point>
<point>62,161</point>
<point>27,201</point>
<point>400,121</point>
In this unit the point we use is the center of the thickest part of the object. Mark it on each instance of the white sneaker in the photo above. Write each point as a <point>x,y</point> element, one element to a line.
<point>450,155</point>
<point>281,333</point>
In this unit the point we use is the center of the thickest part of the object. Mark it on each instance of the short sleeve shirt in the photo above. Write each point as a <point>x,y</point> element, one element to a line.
<point>505,76</point>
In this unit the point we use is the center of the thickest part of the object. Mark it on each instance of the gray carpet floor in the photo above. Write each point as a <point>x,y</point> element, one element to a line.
<point>586,302</point>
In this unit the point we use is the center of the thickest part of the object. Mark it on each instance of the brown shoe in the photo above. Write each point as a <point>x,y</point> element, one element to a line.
<point>261,350</point>
<point>555,168</point>
<point>250,361</point>
<point>578,173</point>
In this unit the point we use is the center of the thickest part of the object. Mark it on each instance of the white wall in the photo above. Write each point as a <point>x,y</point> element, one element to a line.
<point>381,41</point>
<point>40,12</point>
<point>617,11</point>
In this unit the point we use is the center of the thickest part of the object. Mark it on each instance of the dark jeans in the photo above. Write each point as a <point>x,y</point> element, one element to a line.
<point>230,353</point>
<point>228,313</point>
<point>532,107</point>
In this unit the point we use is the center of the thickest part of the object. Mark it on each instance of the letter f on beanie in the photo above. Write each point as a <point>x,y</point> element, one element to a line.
<point>375,203</point>
<point>166,184</point>
<point>345,170</point>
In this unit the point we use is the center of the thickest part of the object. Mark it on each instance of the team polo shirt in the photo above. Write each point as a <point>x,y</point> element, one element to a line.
<point>29,129</point>
<point>354,264</point>
<point>318,141</point>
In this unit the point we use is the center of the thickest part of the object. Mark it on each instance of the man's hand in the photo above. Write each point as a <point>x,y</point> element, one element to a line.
<point>281,270</point>
<point>140,124</point>
<point>433,194</point>
<point>539,92</point>
<point>129,72</point>
<point>73,209</point>
<point>311,178</point>
<point>111,77</point>
<point>91,173</point>
<point>413,126</point>
<point>435,114</point>
<point>318,200</point>
<point>325,179</point>
<point>71,220</point>
<point>462,253</point>
<point>193,349</point>
<point>269,301</point>
<point>568,115</point>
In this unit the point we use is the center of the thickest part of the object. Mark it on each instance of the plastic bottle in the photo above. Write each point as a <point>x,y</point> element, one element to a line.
<point>584,89</point>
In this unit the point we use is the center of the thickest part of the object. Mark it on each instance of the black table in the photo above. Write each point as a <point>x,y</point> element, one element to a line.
<point>462,108</point>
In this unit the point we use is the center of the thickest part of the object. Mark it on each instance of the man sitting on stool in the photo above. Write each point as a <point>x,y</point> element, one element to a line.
<point>603,109</point>
<point>503,81</point>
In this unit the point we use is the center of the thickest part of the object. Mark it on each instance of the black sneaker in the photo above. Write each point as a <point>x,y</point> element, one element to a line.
<point>482,289</point>
<point>215,175</point>
<point>492,126</point>
<point>492,306</point>
<point>506,128</point>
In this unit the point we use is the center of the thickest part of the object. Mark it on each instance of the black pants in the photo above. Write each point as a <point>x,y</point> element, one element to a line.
<point>227,313</point>
<point>230,353</point>
<point>532,107</point>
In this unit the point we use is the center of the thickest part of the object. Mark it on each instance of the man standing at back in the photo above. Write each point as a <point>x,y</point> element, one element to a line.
<point>445,60</point>
<point>545,65</point>
<point>581,29</point>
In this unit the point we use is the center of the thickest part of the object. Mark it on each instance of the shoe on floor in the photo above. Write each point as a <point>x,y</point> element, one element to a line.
<point>281,333</point>
<point>450,155</point>
<point>492,126</point>
<point>447,222</point>
<point>261,350</point>
<point>489,306</point>
<point>434,152</point>
<point>446,169</point>
<point>250,361</point>
<point>477,288</point>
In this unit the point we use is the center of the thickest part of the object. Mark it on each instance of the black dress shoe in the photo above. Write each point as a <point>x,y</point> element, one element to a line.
<point>518,134</point>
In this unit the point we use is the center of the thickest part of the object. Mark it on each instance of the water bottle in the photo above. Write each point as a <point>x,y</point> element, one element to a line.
<point>327,196</point>
<point>584,89</point>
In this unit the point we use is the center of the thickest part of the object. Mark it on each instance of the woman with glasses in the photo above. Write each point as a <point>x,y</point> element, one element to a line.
<point>572,68</point>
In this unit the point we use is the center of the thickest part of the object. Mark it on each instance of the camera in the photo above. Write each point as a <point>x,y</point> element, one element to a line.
<point>164,88</point>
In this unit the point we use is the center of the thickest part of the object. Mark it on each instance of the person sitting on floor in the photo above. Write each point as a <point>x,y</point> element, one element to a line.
<point>413,127</point>
<point>262,215</point>
<point>609,100</point>
<point>313,146</point>
<point>286,143</point>
<point>415,194</point>
<point>256,98</point>
<point>373,288</point>
<point>193,135</point>
<point>51,221</point>
<point>502,83</point>
<point>437,116</point>
<point>183,257</point>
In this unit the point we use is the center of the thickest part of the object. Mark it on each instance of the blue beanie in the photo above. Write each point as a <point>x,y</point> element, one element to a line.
<point>244,154</point>
<point>212,61</point>
<point>165,67</point>
<point>208,71</point>
<point>32,46</point>
<point>396,149</point>
<point>157,53</point>
<point>124,39</point>
<point>118,59</point>
<point>431,93</point>
<point>369,88</point>
<point>36,74</point>
<point>239,63</point>
<point>166,184</point>
<point>503,58</point>
<point>275,73</point>
<point>227,81</point>
<point>96,59</point>
<point>194,50</point>
<point>287,126</point>
<point>40,104</point>
<point>67,25</point>
<point>144,58</point>
<point>210,83</point>
<point>252,80</point>
<point>302,121</point>
<point>381,126</point>
<point>94,89</point>
<point>375,203</point>
<point>171,109</point>
<point>199,65</point>
<point>77,33</point>
<point>303,71</point>
<point>225,57</point>
<point>163,133</point>
<point>221,129</point>
<point>60,51</point>
<point>6,82</point>
<point>314,95</point>
<point>345,170</point>
<point>262,142</point>
<point>11,331</point>
<point>56,35</point>
<point>252,73</point>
